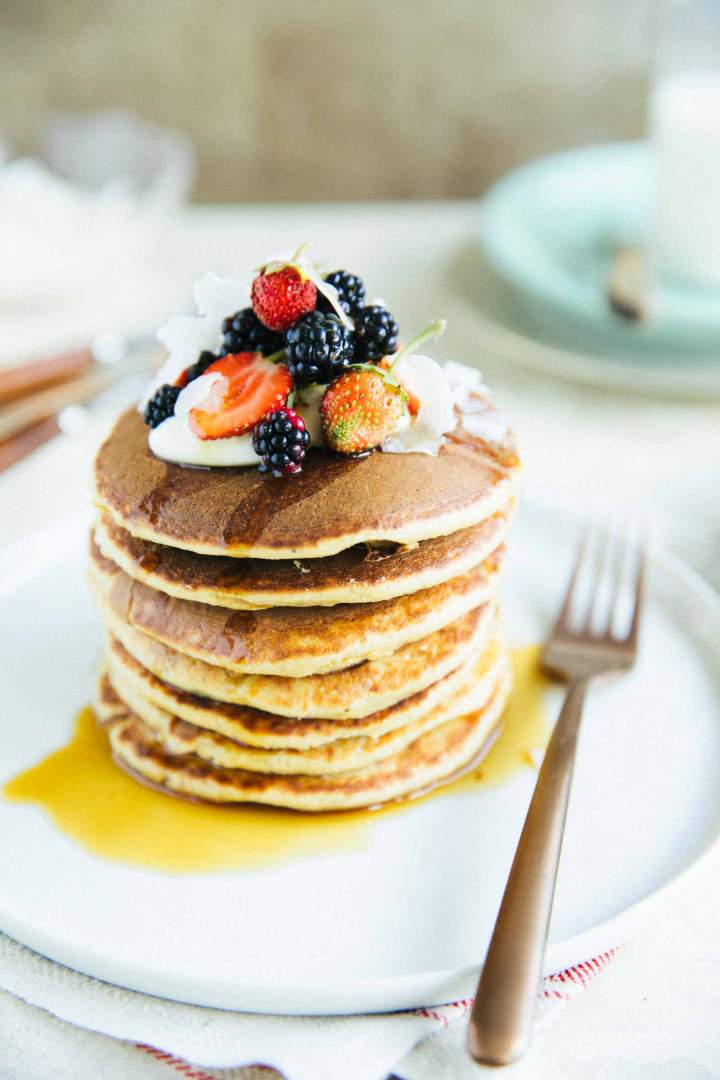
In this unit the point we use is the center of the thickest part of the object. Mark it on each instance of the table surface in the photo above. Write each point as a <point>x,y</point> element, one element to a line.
<point>654,1011</point>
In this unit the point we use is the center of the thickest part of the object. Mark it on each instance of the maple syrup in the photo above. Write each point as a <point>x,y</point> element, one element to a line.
<point>110,814</point>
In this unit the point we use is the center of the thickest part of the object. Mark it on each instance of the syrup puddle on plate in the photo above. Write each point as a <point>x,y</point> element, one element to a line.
<point>104,810</point>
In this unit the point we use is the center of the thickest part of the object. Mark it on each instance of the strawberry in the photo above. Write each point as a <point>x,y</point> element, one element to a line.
<point>251,386</point>
<point>360,409</point>
<point>280,297</point>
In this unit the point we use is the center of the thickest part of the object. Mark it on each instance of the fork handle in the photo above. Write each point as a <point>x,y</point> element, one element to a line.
<point>504,1010</point>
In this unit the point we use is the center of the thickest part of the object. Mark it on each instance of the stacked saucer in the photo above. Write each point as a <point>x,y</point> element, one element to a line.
<point>323,641</point>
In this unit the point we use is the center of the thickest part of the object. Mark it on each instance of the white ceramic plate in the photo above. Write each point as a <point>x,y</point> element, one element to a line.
<point>406,921</point>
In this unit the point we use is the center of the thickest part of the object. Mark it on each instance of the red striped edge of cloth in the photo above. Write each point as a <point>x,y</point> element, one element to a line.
<point>562,986</point>
<point>190,1072</point>
<point>176,1063</point>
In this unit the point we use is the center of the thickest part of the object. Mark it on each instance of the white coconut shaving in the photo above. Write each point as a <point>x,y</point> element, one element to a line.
<point>217,297</point>
<point>466,384</point>
<point>472,398</point>
<point>489,425</point>
<point>201,392</point>
<point>424,433</point>
<point>186,336</point>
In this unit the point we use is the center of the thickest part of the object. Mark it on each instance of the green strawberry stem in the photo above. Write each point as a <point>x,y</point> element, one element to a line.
<point>432,330</point>
<point>276,356</point>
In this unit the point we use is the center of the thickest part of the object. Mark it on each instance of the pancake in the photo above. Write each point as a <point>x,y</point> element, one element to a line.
<point>334,503</point>
<point>433,757</point>
<point>269,731</point>
<point>180,737</point>
<point>292,642</point>
<point>360,574</point>
<point>355,692</point>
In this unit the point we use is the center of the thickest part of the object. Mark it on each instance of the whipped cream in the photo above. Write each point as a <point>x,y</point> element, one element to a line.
<point>175,440</point>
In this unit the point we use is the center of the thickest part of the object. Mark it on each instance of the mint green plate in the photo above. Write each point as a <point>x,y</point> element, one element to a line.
<point>549,230</point>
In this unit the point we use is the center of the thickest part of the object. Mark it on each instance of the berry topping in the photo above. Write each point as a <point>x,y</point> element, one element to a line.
<point>161,405</point>
<point>359,410</point>
<point>319,347</point>
<point>251,385</point>
<point>280,441</point>
<point>243,332</point>
<point>377,333</point>
<point>350,290</point>
<point>281,297</point>
<point>203,362</point>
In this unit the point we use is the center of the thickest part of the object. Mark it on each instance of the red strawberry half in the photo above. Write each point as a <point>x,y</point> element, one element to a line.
<point>280,298</point>
<point>251,386</point>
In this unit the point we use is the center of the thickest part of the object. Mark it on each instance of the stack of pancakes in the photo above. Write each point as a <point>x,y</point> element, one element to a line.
<point>322,641</point>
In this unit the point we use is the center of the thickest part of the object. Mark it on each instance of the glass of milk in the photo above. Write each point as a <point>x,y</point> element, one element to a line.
<point>685,129</point>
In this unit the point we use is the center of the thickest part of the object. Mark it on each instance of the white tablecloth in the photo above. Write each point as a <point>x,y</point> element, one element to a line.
<point>654,1012</point>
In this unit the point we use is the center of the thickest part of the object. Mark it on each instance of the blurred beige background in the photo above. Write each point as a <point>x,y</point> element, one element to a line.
<point>325,99</point>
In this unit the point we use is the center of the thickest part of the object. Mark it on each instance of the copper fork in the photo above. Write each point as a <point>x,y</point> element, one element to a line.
<point>578,651</point>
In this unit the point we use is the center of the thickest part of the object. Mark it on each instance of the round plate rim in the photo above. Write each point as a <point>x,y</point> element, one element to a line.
<point>517,347</point>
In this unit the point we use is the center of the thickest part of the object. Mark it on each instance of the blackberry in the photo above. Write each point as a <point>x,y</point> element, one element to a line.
<point>350,290</point>
<point>319,348</point>
<point>377,333</point>
<point>280,441</point>
<point>243,332</point>
<point>161,405</point>
<point>203,362</point>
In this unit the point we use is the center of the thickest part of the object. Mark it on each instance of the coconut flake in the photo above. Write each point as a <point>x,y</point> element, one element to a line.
<point>206,390</point>
<point>466,385</point>
<point>489,425</point>
<point>331,295</point>
<point>472,397</point>
<point>186,336</point>
<point>412,441</point>
<point>217,297</point>
<point>425,379</point>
